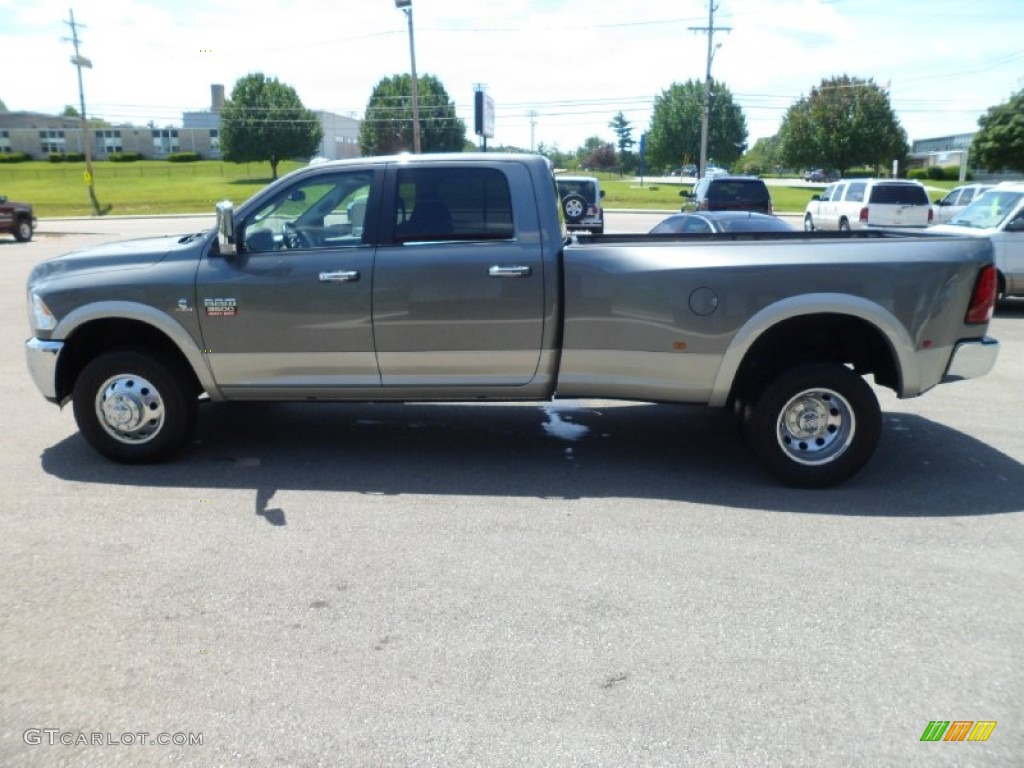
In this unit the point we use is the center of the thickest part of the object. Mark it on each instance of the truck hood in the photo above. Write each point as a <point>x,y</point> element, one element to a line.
<point>953,229</point>
<point>129,254</point>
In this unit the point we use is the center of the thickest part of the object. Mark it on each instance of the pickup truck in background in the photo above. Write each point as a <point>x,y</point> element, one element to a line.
<point>17,219</point>
<point>451,278</point>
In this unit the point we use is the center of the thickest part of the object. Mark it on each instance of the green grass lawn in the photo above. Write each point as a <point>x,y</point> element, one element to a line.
<point>157,187</point>
<point>147,187</point>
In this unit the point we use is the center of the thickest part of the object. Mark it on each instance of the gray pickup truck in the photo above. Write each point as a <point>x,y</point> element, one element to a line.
<point>450,277</point>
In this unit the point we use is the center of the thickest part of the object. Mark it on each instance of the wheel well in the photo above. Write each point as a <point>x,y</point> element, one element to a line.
<point>824,338</point>
<point>99,336</point>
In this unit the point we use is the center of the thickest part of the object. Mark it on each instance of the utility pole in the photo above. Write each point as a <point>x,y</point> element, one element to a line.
<point>80,61</point>
<point>533,130</point>
<point>406,8</point>
<point>709,30</point>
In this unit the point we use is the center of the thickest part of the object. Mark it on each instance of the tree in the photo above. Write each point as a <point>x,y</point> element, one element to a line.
<point>623,132</point>
<point>265,120</point>
<point>674,136</point>
<point>624,135</point>
<point>3,107</point>
<point>601,158</point>
<point>845,122</point>
<point>70,111</point>
<point>761,158</point>
<point>387,124</point>
<point>558,158</point>
<point>1000,142</point>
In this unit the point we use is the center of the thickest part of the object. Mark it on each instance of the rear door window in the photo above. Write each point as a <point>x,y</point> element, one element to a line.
<point>899,194</point>
<point>452,204</point>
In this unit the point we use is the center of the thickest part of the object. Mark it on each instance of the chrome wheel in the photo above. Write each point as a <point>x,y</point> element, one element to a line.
<point>130,409</point>
<point>574,208</point>
<point>816,426</point>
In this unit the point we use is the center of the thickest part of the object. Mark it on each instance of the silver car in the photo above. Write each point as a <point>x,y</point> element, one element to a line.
<point>954,202</point>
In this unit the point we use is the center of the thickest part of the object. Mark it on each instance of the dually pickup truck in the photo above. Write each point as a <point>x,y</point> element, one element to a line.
<point>451,277</point>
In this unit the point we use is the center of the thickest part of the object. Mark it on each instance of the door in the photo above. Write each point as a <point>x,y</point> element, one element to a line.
<point>292,310</point>
<point>458,295</point>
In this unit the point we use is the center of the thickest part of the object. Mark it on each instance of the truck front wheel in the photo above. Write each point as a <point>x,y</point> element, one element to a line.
<point>815,425</point>
<point>134,407</point>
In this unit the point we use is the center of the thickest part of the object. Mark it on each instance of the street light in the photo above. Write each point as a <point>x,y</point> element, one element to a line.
<point>406,7</point>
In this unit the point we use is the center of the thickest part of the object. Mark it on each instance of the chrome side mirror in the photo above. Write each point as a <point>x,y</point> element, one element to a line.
<point>226,228</point>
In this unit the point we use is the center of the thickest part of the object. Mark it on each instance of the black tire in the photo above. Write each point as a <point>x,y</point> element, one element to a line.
<point>844,225</point>
<point>814,426</point>
<point>115,390</point>
<point>808,223</point>
<point>574,207</point>
<point>23,230</point>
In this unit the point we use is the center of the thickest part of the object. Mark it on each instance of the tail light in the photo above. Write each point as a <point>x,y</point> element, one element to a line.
<point>863,217</point>
<point>983,299</point>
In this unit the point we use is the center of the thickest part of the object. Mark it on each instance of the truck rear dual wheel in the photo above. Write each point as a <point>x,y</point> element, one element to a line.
<point>814,426</point>
<point>134,407</point>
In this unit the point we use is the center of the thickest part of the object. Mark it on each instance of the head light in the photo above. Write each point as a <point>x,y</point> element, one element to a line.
<point>39,315</point>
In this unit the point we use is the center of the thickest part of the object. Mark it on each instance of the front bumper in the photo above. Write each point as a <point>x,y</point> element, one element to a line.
<point>42,365</point>
<point>972,358</point>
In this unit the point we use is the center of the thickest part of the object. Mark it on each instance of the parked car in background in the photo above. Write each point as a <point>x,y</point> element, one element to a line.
<point>17,219</point>
<point>997,214</point>
<point>720,221</point>
<point>954,202</point>
<point>862,203</point>
<point>729,193</point>
<point>581,202</point>
<point>819,175</point>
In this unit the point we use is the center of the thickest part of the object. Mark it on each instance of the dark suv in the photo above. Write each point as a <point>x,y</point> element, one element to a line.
<point>729,193</point>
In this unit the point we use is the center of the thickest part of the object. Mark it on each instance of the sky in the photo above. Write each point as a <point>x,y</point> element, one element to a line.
<point>557,70</point>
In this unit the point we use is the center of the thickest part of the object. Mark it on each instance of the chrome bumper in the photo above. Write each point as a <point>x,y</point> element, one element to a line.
<point>971,359</point>
<point>42,365</point>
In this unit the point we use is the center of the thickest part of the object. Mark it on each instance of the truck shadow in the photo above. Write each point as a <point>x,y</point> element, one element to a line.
<point>563,450</point>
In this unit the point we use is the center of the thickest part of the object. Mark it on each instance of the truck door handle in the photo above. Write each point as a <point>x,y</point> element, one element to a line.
<point>510,271</point>
<point>343,276</point>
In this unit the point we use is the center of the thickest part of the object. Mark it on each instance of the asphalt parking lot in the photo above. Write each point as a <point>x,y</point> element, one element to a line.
<point>577,583</point>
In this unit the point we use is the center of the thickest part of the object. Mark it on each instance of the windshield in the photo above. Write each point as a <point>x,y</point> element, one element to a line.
<point>990,210</point>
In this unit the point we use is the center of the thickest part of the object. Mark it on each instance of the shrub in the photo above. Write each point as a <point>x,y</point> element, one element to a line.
<point>183,157</point>
<point>124,157</point>
<point>917,174</point>
<point>56,157</point>
<point>935,173</point>
<point>15,157</point>
<point>74,157</point>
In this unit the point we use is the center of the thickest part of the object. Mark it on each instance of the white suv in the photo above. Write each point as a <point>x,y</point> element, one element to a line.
<point>581,202</point>
<point>863,203</point>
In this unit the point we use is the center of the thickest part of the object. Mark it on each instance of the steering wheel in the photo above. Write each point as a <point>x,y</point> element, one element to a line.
<point>293,237</point>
